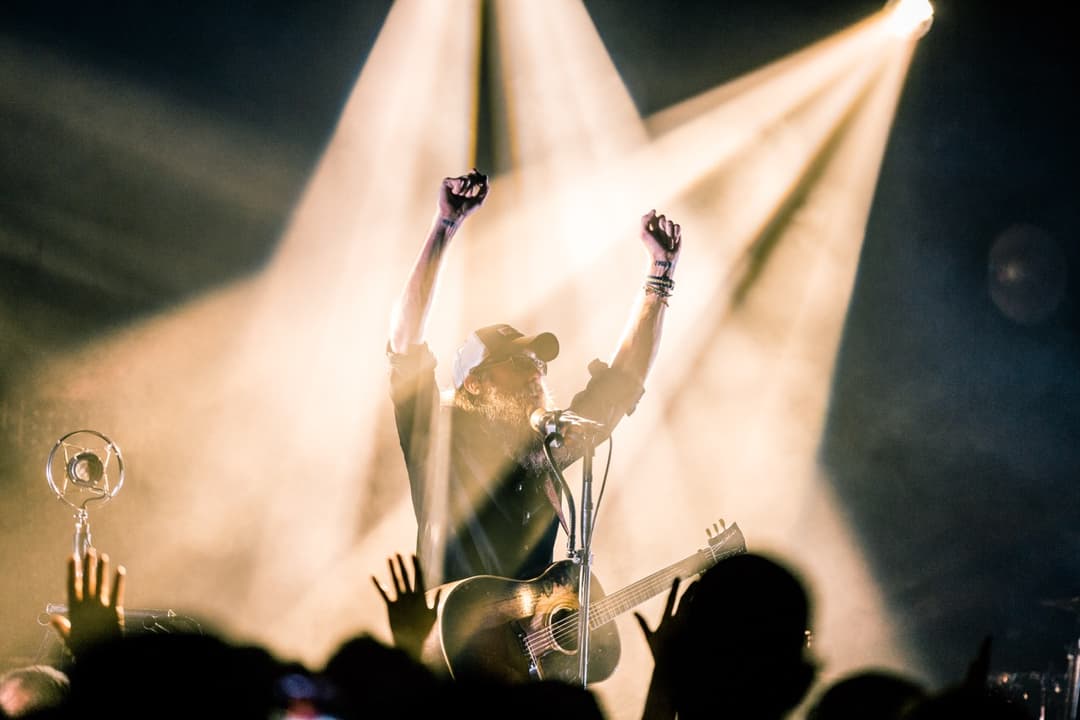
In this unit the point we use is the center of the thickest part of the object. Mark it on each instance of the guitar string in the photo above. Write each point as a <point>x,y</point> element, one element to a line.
<point>563,629</point>
<point>537,641</point>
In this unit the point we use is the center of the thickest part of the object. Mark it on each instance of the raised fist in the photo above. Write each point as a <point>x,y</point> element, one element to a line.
<point>459,196</point>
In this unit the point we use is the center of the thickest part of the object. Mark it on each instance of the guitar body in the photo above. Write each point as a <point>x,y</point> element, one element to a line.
<point>523,630</point>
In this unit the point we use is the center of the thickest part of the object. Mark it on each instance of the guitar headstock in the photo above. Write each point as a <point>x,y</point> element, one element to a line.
<point>725,540</point>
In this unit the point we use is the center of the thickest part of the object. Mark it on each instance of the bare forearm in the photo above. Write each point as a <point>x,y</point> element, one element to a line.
<point>641,339</point>
<point>458,197</point>
<point>408,320</point>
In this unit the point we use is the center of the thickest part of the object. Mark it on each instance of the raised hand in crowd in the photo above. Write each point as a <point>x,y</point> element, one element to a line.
<point>411,617</point>
<point>662,642</point>
<point>749,615</point>
<point>95,606</point>
<point>979,669</point>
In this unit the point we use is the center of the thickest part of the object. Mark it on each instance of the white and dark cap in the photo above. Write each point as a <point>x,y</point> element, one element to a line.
<point>498,342</point>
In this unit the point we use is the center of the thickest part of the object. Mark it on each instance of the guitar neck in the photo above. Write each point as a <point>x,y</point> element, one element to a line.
<point>611,606</point>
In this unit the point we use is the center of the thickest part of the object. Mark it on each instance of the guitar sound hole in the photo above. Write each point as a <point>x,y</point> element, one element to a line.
<point>564,628</point>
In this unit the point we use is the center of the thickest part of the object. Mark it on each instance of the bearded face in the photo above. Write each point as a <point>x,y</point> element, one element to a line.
<point>506,400</point>
<point>511,407</point>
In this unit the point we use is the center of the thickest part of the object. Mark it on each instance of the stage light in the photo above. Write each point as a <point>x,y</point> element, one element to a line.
<point>561,102</point>
<point>910,17</point>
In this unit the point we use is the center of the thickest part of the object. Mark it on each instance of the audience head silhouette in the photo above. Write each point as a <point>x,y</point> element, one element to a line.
<point>174,676</point>
<point>31,689</point>
<point>743,642</point>
<point>370,679</point>
<point>869,693</point>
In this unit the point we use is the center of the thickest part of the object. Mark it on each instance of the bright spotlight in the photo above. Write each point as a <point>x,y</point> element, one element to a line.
<point>910,17</point>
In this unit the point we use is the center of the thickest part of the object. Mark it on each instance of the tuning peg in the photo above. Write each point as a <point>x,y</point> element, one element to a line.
<point>718,527</point>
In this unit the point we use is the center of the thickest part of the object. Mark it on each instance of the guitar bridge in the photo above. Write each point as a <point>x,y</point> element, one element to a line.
<point>535,673</point>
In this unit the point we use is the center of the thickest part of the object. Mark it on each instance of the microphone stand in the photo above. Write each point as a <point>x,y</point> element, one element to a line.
<point>582,556</point>
<point>585,560</point>
<point>81,541</point>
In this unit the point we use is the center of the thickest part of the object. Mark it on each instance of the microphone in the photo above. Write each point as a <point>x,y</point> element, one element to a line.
<point>562,422</point>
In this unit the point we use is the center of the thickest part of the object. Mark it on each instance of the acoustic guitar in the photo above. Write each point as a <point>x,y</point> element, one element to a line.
<point>521,630</point>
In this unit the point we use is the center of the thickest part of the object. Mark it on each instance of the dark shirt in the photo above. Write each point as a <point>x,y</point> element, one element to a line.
<point>488,511</point>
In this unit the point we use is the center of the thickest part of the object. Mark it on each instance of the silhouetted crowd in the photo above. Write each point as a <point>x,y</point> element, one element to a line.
<point>750,615</point>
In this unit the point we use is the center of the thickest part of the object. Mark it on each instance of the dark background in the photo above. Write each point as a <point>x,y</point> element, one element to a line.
<point>952,436</point>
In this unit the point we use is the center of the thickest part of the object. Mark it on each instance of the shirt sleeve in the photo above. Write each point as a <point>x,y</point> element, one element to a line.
<point>609,395</point>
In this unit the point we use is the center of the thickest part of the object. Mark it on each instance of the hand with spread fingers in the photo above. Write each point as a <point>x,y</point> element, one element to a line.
<point>411,618</point>
<point>95,607</point>
<point>660,639</point>
<point>460,196</point>
<point>662,645</point>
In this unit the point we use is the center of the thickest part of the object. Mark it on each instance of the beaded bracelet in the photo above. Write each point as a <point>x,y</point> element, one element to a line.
<point>659,285</point>
<point>662,295</point>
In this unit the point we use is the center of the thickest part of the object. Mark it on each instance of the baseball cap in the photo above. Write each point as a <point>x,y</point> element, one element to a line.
<point>496,342</point>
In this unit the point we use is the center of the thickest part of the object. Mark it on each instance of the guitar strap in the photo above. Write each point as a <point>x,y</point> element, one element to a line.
<point>555,499</point>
